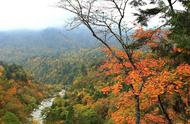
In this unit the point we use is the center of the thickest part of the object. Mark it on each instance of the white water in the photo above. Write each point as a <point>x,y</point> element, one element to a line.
<point>36,114</point>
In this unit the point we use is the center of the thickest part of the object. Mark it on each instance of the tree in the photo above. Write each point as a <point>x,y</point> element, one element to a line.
<point>10,118</point>
<point>104,22</point>
<point>110,22</point>
<point>158,77</point>
<point>1,71</point>
<point>177,20</point>
<point>85,115</point>
<point>180,22</point>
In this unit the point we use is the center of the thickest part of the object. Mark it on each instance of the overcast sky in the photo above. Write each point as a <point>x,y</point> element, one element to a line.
<point>33,14</point>
<point>30,14</point>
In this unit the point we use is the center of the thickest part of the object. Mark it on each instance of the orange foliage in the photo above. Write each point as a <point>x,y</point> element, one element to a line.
<point>183,70</point>
<point>148,76</point>
<point>151,33</point>
<point>39,94</point>
<point>118,118</point>
<point>150,118</point>
<point>12,91</point>
<point>116,88</point>
<point>106,90</point>
<point>152,36</point>
<point>141,33</point>
<point>1,70</point>
<point>152,73</point>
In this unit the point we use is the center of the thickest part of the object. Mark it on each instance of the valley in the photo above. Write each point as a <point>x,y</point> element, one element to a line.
<point>95,62</point>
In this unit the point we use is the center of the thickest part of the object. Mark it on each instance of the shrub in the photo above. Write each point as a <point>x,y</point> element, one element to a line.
<point>10,118</point>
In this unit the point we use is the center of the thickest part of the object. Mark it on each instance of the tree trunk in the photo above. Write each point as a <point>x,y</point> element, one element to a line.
<point>171,6</point>
<point>137,109</point>
<point>164,111</point>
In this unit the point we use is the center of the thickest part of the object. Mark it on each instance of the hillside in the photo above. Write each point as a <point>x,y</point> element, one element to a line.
<point>118,62</point>
<point>63,67</point>
<point>52,55</point>
<point>18,45</point>
<point>18,94</point>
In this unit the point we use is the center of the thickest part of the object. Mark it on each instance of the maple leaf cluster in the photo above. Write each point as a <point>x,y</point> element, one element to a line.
<point>153,76</point>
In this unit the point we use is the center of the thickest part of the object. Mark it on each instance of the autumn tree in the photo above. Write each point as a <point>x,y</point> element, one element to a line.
<point>18,95</point>
<point>174,15</point>
<point>158,77</point>
<point>111,22</point>
<point>104,22</point>
<point>1,71</point>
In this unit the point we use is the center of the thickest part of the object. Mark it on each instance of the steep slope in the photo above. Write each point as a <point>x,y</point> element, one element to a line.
<point>18,94</point>
<point>63,67</point>
<point>18,45</point>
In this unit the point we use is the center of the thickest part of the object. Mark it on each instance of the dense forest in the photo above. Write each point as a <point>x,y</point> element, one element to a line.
<point>19,45</point>
<point>18,94</point>
<point>102,72</point>
<point>145,81</point>
<point>52,55</point>
<point>63,67</point>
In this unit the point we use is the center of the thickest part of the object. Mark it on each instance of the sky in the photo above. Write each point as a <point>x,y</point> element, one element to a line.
<point>30,14</point>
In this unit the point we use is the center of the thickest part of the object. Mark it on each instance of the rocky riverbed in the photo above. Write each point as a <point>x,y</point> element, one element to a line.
<point>36,115</point>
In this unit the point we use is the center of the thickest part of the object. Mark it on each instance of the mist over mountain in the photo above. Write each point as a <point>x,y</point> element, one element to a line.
<point>23,44</point>
<point>47,38</point>
<point>52,55</point>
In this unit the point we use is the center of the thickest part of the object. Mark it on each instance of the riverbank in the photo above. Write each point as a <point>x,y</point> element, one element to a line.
<point>36,115</point>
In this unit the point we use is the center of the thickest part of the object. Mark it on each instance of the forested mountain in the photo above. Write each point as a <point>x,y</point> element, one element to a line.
<point>18,94</point>
<point>18,45</point>
<point>52,55</point>
<point>133,85</point>
<point>146,80</point>
<point>47,38</point>
<point>63,67</point>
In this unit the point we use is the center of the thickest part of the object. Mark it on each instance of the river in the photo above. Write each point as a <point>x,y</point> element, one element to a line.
<point>36,115</point>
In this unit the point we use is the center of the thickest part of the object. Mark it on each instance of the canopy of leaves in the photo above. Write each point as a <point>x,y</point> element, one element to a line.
<point>18,94</point>
<point>10,118</point>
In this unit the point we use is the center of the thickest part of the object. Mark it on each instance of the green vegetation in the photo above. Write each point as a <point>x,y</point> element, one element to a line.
<point>82,102</point>
<point>17,46</point>
<point>181,31</point>
<point>10,118</point>
<point>66,67</point>
<point>18,94</point>
<point>146,81</point>
<point>63,67</point>
<point>164,98</point>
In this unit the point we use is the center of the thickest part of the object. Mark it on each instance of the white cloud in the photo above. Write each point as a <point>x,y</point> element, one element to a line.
<point>37,14</point>
<point>33,14</point>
